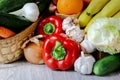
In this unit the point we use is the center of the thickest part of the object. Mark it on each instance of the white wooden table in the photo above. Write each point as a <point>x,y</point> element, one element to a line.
<point>22,70</point>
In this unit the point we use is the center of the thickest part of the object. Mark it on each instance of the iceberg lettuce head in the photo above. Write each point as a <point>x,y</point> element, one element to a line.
<point>104,33</point>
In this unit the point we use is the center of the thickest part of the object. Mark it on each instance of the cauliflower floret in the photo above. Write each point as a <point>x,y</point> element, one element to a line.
<point>71,27</point>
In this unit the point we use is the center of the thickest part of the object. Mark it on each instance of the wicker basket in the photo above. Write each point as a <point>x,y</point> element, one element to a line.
<point>10,48</point>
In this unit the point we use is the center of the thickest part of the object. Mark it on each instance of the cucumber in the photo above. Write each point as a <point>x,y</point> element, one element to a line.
<point>107,65</point>
<point>13,22</point>
<point>7,6</point>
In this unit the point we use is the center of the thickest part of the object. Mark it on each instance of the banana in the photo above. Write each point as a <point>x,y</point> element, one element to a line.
<point>109,10</point>
<point>117,15</point>
<point>84,19</point>
<point>94,7</point>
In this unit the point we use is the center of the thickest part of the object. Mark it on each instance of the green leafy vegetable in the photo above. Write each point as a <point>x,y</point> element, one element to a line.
<point>104,33</point>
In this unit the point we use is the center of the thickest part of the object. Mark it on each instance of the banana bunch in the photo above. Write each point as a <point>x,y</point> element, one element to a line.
<point>117,15</point>
<point>99,8</point>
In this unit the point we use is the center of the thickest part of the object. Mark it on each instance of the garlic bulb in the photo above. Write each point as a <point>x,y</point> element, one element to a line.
<point>84,64</point>
<point>87,46</point>
<point>30,11</point>
<point>71,27</point>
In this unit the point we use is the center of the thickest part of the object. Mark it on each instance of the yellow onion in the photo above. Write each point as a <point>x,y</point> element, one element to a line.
<point>33,51</point>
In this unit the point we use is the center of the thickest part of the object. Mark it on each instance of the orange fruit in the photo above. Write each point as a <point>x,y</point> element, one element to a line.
<point>69,6</point>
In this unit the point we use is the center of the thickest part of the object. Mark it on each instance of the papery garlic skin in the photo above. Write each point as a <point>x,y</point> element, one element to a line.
<point>84,64</point>
<point>30,11</point>
<point>87,46</point>
<point>71,27</point>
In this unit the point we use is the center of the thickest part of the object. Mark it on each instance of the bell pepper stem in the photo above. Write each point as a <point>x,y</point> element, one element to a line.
<point>49,28</point>
<point>58,52</point>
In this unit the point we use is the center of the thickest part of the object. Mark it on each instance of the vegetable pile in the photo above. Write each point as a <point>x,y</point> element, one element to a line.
<point>87,41</point>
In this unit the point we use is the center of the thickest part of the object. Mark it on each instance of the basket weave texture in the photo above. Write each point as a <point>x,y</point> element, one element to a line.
<point>10,48</point>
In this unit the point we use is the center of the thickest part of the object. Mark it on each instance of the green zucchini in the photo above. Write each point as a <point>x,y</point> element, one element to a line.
<point>107,65</point>
<point>13,22</point>
<point>7,6</point>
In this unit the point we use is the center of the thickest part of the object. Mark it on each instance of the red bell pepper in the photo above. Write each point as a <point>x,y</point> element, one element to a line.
<point>50,25</point>
<point>59,52</point>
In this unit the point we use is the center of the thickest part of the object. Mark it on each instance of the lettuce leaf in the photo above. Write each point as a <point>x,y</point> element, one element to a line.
<point>104,33</point>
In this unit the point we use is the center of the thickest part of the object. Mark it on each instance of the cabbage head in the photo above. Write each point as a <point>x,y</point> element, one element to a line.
<point>104,33</point>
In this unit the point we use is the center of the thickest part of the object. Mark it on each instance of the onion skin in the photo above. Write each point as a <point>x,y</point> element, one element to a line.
<point>33,52</point>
